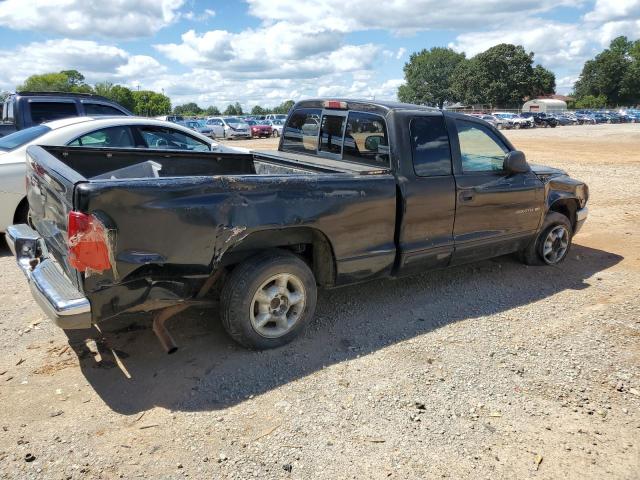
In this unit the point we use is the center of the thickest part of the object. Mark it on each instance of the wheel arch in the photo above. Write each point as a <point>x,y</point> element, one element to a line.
<point>567,206</point>
<point>307,242</point>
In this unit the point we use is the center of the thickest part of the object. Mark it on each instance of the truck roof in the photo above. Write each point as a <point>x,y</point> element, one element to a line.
<point>381,105</point>
<point>62,94</point>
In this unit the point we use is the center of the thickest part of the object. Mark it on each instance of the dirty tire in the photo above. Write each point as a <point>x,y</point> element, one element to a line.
<point>237,297</point>
<point>533,253</point>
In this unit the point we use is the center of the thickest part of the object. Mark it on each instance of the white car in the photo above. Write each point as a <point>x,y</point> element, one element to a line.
<point>229,127</point>
<point>516,120</point>
<point>111,132</point>
<point>276,125</point>
<point>276,116</point>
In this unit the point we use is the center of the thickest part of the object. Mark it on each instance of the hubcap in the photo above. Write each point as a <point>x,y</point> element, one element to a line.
<point>277,305</point>
<point>555,245</point>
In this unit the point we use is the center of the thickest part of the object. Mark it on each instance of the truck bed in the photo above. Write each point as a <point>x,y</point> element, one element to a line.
<point>173,228</point>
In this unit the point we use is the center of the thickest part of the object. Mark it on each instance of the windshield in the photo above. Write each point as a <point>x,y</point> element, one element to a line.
<point>22,137</point>
<point>232,120</point>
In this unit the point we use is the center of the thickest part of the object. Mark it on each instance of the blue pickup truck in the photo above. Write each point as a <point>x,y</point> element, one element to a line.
<point>26,109</point>
<point>357,190</point>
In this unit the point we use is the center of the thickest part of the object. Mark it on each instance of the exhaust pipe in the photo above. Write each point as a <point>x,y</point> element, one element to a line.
<point>160,329</point>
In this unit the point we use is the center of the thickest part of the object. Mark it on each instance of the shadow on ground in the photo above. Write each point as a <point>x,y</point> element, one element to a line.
<point>211,372</point>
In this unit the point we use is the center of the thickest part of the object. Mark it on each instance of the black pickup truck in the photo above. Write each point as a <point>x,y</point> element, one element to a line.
<point>25,109</point>
<point>357,190</point>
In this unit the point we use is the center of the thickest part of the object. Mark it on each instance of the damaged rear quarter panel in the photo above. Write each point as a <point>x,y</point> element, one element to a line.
<point>181,227</point>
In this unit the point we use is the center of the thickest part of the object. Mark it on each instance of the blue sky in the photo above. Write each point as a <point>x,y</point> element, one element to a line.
<point>266,51</point>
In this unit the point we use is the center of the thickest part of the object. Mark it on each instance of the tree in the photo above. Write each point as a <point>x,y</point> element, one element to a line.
<point>230,110</point>
<point>211,111</point>
<point>544,82</point>
<point>258,110</point>
<point>150,104</point>
<point>590,101</point>
<point>284,107</point>
<point>117,93</point>
<point>188,109</point>
<point>238,108</point>
<point>500,76</point>
<point>428,76</point>
<point>614,73</point>
<point>46,82</point>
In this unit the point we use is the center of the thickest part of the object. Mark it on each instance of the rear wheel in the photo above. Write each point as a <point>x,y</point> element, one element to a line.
<point>551,246</point>
<point>275,133</point>
<point>268,299</point>
<point>22,214</point>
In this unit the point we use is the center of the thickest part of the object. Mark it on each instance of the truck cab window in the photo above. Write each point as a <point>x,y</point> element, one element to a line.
<point>99,109</point>
<point>47,111</point>
<point>301,132</point>
<point>430,146</point>
<point>331,132</point>
<point>480,149</point>
<point>366,140</point>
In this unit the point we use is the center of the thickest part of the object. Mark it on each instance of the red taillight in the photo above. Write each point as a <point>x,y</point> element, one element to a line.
<point>87,241</point>
<point>335,105</point>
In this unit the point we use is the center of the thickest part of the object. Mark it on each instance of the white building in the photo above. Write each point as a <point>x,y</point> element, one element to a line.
<point>545,105</point>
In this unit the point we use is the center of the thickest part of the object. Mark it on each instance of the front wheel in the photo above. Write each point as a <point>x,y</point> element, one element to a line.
<point>551,245</point>
<point>275,133</point>
<point>268,299</point>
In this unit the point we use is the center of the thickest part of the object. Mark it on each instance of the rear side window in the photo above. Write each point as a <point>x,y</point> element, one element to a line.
<point>97,109</point>
<point>47,111</point>
<point>21,137</point>
<point>301,131</point>
<point>365,140</point>
<point>430,146</point>
<point>331,134</point>
<point>113,137</point>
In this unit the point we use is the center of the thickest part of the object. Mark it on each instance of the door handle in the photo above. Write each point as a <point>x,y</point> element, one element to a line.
<point>466,196</point>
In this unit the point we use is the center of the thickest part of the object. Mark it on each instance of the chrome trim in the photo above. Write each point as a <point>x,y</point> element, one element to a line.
<point>50,287</point>
<point>582,214</point>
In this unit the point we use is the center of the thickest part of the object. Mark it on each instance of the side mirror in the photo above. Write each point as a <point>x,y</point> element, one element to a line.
<point>515,162</point>
<point>372,142</point>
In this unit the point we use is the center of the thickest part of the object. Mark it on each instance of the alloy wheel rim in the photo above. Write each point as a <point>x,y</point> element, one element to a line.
<point>277,305</point>
<point>555,245</point>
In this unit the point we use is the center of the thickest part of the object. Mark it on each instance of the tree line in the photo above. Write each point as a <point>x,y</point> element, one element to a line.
<point>192,109</point>
<point>505,76</point>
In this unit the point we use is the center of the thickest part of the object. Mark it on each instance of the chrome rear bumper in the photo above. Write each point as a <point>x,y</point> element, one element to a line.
<point>50,287</point>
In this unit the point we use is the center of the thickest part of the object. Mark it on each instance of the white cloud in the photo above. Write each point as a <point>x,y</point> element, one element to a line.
<point>400,16</point>
<point>400,53</point>
<point>199,17</point>
<point>607,10</point>
<point>80,18</point>
<point>96,61</point>
<point>554,44</point>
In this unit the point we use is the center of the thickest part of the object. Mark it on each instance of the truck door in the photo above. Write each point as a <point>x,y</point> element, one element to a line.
<point>428,193</point>
<point>497,212</point>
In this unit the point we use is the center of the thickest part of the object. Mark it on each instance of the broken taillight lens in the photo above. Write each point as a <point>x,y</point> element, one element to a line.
<point>87,242</point>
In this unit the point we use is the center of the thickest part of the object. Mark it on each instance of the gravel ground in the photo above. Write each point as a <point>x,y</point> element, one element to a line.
<point>492,370</point>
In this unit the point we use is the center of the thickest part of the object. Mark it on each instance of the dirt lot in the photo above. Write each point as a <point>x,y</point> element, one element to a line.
<point>493,370</point>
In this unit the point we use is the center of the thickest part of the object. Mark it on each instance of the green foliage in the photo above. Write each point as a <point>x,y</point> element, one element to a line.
<point>284,107</point>
<point>614,73</point>
<point>590,101</point>
<point>65,81</point>
<point>231,110</point>
<point>117,93</point>
<point>150,104</point>
<point>212,111</point>
<point>258,110</point>
<point>238,108</point>
<point>543,81</point>
<point>502,76</point>
<point>190,109</point>
<point>428,75</point>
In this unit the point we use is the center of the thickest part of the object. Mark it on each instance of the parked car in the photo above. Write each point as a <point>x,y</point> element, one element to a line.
<point>564,119</point>
<point>586,119</point>
<point>540,119</point>
<point>276,126</point>
<point>229,127</point>
<point>275,116</point>
<point>171,118</point>
<point>516,120</point>
<point>264,229</point>
<point>26,109</point>
<point>94,132</point>
<point>259,129</point>
<point>490,119</point>
<point>199,126</point>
